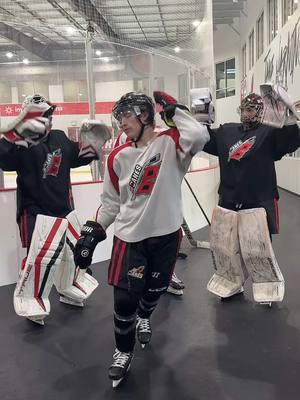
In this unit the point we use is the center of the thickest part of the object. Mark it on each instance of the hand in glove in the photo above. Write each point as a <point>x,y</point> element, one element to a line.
<point>169,104</point>
<point>91,234</point>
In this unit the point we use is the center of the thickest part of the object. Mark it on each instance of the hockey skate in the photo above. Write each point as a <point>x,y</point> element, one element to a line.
<point>120,366</point>
<point>176,286</point>
<point>143,330</point>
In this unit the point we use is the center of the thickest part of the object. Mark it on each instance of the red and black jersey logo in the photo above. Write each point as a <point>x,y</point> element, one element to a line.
<point>144,177</point>
<point>52,163</point>
<point>239,149</point>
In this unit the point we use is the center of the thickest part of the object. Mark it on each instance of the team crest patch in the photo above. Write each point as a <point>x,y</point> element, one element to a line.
<point>239,149</point>
<point>137,272</point>
<point>52,163</point>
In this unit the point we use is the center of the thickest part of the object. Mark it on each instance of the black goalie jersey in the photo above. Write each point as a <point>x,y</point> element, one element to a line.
<point>43,173</point>
<point>247,159</point>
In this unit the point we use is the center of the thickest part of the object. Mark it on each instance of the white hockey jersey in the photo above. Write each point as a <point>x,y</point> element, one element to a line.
<point>142,186</point>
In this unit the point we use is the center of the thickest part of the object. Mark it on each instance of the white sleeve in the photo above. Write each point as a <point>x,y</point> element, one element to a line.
<point>192,135</point>
<point>110,198</point>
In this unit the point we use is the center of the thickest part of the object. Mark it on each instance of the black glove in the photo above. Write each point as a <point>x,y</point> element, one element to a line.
<point>91,234</point>
<point>169,105</point>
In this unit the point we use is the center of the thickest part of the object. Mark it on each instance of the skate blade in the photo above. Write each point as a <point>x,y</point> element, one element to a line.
<point>174,291</point>
<point>143,345</point>
<point>116,383</point>
<point>71,302</point>
<point>36,321</point>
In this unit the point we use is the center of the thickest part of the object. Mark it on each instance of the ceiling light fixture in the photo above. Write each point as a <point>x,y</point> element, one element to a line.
<point>9,54</point>
<point>177,49</point>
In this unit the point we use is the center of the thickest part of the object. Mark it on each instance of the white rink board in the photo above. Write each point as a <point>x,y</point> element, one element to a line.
<point>87,199</point>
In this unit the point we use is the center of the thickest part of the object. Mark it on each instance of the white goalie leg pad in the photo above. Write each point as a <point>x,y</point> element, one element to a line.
<point>70,281</point>
<point>36,278</point>
<point>258,255</point>
<point>230,273</point>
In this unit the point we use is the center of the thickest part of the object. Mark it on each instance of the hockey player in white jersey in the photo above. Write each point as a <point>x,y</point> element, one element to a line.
<point>49,226</point>
<point>142,195</point>
<point>176,286</point>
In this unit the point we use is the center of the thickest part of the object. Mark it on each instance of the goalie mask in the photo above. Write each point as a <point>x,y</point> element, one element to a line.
<point>134,103</point>
<point>251,111</point>
<point>33,123</point>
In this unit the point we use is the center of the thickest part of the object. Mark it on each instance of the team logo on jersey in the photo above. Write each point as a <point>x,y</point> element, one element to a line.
<point>144,177</point>
<point>240,148</point>
<point>52,163</point>
<point>137,272</point>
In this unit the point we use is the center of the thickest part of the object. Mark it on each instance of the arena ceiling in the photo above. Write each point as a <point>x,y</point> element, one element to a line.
<point>52,29</point>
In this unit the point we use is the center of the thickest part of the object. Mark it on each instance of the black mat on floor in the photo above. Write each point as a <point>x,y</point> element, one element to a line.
<point>202,348</point>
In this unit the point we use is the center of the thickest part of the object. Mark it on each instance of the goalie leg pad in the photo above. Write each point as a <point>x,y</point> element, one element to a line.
<point>258,255</point>
<point>36,278</point>
<point>70,281</point>
<point>230,273</point>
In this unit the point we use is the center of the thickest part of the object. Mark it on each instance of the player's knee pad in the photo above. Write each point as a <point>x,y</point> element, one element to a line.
<point>258,255</point>
<point>230,273</point>
<point>36,278</point>
<point>71,281</point>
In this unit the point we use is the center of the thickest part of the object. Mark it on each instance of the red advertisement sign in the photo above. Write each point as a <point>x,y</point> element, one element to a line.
<point>105,107</point>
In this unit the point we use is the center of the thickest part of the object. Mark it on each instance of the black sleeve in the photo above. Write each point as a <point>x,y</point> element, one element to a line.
<point>211,147</point>
<point>76,159</point>
<point>285,140</point>
<point>8,156</point>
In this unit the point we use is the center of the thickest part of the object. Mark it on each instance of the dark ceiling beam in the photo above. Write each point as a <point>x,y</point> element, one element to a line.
<point>90,13</point>
<point>26,42</point>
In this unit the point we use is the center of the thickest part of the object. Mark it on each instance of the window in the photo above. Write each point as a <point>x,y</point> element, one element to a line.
<point>260,36</point>
<point>272,19</point>
<point>244,60</point>
<point>251,49</point>
<point>32,87</point>
<point>225,79</point>
<point>5,92</point>
<point>288,9</point>
<point>75,91</point>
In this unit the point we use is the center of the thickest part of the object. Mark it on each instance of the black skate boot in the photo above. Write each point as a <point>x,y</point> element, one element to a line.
<point>119,367</point>
<point>176,286</point>
<point>143,330</point>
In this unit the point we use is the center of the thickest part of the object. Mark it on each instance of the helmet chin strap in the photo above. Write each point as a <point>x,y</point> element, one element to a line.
<point>135,141</point>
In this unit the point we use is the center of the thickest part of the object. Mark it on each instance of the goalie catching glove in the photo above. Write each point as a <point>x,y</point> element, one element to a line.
<point>169,105</point>
<point>93,134</point>
<point>33,123</point>
<point>91,234</point>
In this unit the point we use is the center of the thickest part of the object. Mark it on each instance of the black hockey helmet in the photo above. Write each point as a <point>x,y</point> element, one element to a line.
<point>136,102</point>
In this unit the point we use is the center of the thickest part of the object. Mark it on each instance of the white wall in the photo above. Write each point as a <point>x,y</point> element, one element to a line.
<point>228,44</point>
<point>288,174</point>
<point>87,200</point>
